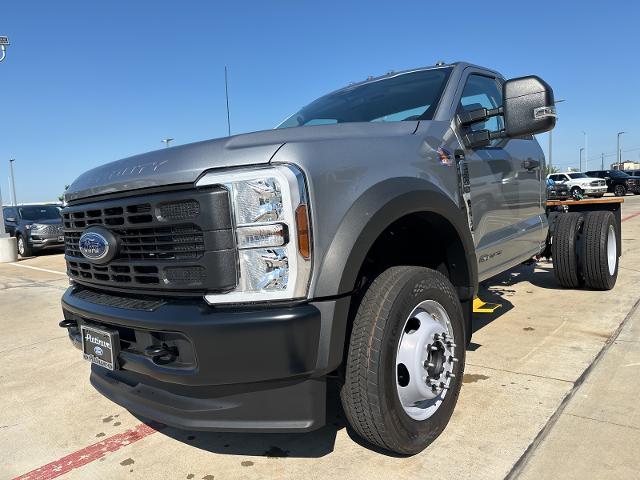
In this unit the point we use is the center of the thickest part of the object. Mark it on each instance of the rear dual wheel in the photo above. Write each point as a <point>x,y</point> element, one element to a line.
<point>406,359</point>
<point>585,250</point>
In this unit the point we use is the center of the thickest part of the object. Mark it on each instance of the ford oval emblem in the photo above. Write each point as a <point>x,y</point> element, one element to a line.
<point>97,351</point>
<point>93,246</point>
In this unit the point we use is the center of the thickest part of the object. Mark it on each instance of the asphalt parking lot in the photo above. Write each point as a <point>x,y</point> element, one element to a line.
<point>550,391</point>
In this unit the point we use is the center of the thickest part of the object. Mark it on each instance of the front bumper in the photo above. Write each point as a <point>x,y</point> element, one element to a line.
<point>590,190</point>
<point>41,242</point>
<point>633,187</point>
<point>235,369</point>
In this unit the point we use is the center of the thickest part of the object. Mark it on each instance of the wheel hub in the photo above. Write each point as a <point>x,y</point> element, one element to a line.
<point>425,361</point>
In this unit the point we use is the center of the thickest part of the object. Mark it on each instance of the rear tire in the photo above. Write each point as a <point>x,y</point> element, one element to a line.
<point>620,190</point>
<point>380,335</point>
<point>599,251</point>
<point>564,249</point>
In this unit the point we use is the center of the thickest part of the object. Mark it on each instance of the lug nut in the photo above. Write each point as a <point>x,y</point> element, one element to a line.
<point>436,336</point>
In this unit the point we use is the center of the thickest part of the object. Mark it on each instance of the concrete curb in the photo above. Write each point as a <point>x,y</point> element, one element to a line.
<point>8,250</point>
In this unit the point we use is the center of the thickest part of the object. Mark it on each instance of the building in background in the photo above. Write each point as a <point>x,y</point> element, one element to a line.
<point>628,165</point>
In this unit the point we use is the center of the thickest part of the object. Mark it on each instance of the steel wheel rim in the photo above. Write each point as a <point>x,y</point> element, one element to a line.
<point>425,360</point>
<point>612,250</point>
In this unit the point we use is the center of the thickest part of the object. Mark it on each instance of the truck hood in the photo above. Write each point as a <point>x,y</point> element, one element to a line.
<point>185,163</point>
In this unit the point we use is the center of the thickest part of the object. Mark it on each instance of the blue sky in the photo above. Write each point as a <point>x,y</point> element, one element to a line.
<point>85,83</point>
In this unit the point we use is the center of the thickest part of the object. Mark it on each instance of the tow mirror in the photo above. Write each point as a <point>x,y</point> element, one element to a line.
<point>528,106</point>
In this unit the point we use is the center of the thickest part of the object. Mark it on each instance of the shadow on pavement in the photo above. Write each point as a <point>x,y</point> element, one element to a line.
<point>499,288</point>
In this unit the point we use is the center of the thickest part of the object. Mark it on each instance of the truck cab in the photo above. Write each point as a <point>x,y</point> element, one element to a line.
<point>218,285</point>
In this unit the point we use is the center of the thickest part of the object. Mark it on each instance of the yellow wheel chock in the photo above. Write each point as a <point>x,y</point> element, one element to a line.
<point>482,307</point>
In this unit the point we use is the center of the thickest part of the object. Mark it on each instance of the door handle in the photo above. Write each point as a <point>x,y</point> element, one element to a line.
<point>530,164</point>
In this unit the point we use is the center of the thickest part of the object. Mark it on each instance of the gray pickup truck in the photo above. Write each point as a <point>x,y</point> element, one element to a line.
<point>218,285</point>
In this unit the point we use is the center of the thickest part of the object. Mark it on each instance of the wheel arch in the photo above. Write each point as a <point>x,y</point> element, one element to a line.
<point>377,210</point>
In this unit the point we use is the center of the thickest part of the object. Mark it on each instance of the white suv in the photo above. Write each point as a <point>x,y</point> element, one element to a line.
<point>581,183</point>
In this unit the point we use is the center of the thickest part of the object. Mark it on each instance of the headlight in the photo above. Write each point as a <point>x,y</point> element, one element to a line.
<point>271,222</point>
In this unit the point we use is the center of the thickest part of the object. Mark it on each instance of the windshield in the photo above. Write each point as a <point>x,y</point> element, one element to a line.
<point>618,173</point>
<point>577,175</point>
<point>35,214</point>
<point>407,96</point>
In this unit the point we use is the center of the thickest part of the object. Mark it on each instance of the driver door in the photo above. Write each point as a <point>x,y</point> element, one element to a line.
<point>505,196</point>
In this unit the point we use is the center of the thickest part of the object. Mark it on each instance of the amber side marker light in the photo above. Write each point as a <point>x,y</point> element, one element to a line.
<point>302,226</point>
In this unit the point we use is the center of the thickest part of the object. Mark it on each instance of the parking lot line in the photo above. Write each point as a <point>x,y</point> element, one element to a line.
<point>38,268</point>
<point>629,217</point>
<point>89,454</point>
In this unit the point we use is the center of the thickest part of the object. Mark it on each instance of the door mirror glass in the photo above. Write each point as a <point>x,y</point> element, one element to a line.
<point>528,106</point>
<point>11,219</point>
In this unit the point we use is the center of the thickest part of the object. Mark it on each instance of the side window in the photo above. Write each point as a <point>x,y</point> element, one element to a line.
<point>479,92</point>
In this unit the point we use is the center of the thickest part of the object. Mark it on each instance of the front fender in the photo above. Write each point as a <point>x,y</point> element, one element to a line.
<point>371,214</point>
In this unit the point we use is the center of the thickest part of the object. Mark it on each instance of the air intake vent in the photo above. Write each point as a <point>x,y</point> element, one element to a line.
<point>179,211</point>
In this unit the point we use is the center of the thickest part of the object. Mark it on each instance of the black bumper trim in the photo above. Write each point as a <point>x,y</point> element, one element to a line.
<point>291,407</point>
<point>228,346</point>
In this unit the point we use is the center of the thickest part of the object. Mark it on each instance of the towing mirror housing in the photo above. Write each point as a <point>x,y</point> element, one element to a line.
<point>528,106</point>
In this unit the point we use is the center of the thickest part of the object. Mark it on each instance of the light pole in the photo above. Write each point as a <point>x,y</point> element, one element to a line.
<point>551,140</point>
<point>581,150</point>
<point>4,43</point>
<point>166,142</point>
<point>586,151</point>
<point>13,182</point>
<point>602,162</point>
<point>618,152</point>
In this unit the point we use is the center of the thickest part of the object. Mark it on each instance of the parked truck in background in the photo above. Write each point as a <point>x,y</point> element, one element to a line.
<point>217,285</point>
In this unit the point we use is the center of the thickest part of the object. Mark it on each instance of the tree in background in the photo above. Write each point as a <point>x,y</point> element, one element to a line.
<point>61,197</point>
<point>549,170</point>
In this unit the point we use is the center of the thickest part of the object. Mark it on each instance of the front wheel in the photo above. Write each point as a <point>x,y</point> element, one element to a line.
<point>620,191</point>
<point>406,359</point>
<point>24,249</point>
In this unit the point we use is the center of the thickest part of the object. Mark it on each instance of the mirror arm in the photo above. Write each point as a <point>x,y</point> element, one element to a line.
<point>479,115</point>
<point>481,138</point>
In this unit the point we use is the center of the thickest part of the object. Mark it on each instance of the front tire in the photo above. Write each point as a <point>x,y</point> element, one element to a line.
<point>406,359</point>
<point>24,249</point>
<point>620,190</point>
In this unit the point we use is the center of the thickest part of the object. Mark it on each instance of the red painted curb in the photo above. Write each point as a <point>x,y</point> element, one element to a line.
<point>89,454</point>
<point>630,216</point>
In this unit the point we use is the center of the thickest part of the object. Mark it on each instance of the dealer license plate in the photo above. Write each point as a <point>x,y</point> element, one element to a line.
<point>100,346</point>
